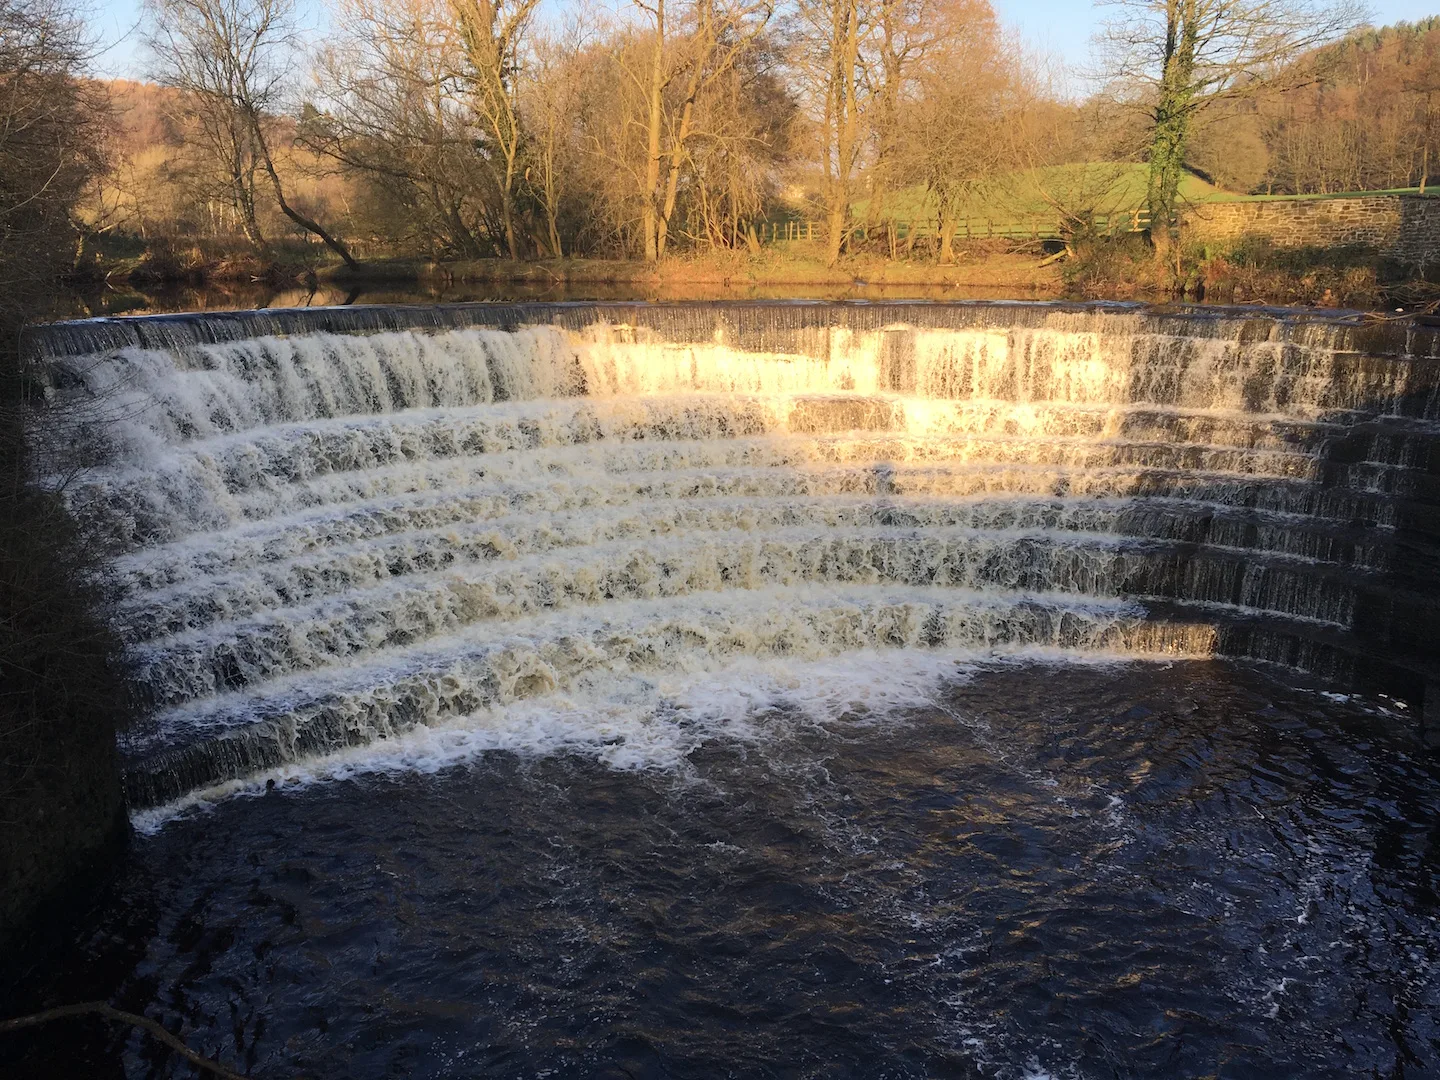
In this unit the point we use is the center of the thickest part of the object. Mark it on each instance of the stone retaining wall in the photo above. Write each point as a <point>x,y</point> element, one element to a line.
<point>1405,228</point>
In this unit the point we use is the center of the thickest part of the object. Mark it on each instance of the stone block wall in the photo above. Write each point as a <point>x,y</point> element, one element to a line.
<point>1405,228</point>
<point>1418,241</point>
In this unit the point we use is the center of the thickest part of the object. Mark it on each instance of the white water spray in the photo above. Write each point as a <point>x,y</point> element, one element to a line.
<point>446,541</point>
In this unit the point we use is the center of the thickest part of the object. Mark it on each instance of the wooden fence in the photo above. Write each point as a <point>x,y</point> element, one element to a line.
<point>1037,227</point>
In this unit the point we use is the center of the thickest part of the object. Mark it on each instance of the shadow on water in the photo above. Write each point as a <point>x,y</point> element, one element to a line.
<point>1192,869</point>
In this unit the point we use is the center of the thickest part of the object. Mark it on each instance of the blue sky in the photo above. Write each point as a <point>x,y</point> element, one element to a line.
<point>1054,26</point>
<point>1065,29</point>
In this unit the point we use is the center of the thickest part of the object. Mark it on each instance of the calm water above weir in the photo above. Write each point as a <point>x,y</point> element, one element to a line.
<point>1082,870</point>
<point>906,689</point>
<point>242,297</point>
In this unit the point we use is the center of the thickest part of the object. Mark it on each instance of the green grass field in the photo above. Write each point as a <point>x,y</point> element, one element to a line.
<point>1033,203</point>
<point>1040,197</point>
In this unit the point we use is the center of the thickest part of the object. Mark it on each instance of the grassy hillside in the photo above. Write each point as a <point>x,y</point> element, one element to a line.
<point>1038,198</point>
<point>1045,195</point>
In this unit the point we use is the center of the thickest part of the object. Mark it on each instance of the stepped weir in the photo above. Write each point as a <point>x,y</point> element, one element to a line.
<point>336,526</point>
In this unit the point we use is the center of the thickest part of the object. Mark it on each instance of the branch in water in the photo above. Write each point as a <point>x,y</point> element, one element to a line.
<point>109,1012</point>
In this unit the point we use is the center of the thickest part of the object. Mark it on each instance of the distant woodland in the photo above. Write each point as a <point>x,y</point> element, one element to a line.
<point>1365,120</point>
<point>471,128</point>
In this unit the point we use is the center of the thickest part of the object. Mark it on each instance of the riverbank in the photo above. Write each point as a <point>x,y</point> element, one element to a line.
<point>799,264</point>
<point>205,275</point>
<point>1022,272</point>
<point>203,278</point>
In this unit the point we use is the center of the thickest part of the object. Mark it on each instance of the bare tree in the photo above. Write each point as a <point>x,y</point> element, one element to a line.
<point>208,111</point>
<point>830,34</point>
<point>905,35</point>
<point>551,102</point>
<point>61,692</point>
<point>394,117</point>
<point>743,135</point>
<point>492,34</point>
<point>1188,56</point>
<point>690,57</point>
<point>52,147</point>
<point>964,132</point>
<point>1078,162</point>
<point>231,59</point>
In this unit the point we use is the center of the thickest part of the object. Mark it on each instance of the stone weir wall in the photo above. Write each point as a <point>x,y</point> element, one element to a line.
<point>749,325</point>
<point>285,486</point>
<point>1404,228</point>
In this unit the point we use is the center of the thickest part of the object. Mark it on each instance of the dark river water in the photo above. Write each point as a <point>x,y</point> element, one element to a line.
<point>1063,870</point>
<point>245,296</point>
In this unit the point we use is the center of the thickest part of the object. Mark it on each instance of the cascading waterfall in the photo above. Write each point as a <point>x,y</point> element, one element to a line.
<point>338,526</point>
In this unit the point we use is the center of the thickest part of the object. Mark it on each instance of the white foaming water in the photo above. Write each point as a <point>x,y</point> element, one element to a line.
<point>390,690</point>
<point>631,722</point>
<point>350,553</point>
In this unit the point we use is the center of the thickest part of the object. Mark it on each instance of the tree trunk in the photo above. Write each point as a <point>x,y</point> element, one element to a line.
<point>843,110</point>
<point>677,159</point>
<point>947,240</point>
<point>507,212</point>
<point>1171,133</point>
<point>886,108</point>
<point>552,208</point>
<point>556,249</point>
<point>314,227</point>
<point>249,225</point>
<point>652,163</point>
<point>835,234</point>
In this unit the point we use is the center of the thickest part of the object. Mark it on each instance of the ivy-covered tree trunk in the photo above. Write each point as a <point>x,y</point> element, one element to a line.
<point>1174,107</point>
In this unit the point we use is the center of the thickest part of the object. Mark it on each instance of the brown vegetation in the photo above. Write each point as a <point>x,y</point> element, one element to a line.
<point>438,130</point>
<point>1251,271</point>
<point>1367,119</point>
